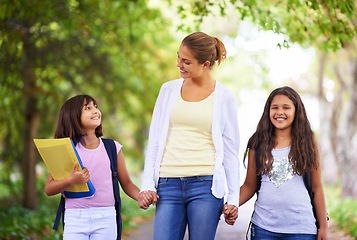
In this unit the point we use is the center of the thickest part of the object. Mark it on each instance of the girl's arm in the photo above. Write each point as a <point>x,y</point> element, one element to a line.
<point>247,190</point>
<point>129,187</point>
<point>249,186</point>
<point>125,181</point>
<point>54,187</point>
<point>319,201</point>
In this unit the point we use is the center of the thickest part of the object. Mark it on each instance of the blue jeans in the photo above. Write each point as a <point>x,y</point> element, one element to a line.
<point>186,201</point>
<point>258,233</point>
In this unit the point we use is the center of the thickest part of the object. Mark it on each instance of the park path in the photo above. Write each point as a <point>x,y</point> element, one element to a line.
<point>225,231</point>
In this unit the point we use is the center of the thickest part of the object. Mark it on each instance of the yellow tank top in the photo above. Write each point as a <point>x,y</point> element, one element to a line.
<point>189,149</point>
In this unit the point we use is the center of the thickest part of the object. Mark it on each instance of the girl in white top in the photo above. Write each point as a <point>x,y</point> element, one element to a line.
<point>94,217</point>
<point>193,139</point>
<point>288,151</point>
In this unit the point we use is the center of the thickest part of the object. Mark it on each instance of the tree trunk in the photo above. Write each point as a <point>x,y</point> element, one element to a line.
<point>31,124</point>
<point>348,143</point>
<point>327,154</point>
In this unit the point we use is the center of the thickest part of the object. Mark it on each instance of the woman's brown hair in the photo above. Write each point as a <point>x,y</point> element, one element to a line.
<point>303,152</point>
<point>205,47</point>
<point>69,119</point>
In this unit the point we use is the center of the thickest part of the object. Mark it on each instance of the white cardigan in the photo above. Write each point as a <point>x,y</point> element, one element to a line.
<point>225,134</point>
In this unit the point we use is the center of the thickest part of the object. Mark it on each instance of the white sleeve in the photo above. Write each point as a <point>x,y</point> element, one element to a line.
<point>231,149</point>
<point>148,176</point>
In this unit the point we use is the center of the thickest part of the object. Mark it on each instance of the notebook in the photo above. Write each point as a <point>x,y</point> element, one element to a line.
<point>59,156</point>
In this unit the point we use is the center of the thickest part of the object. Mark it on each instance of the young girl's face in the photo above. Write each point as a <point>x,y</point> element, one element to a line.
<point>282,112</point>
<point>90,117</point>
<point>188,64</point>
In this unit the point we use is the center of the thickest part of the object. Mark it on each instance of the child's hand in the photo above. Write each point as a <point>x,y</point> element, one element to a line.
<point>322,234</point>
<point>230,213</point>
<point>79,177</point>
<point>146,198</point>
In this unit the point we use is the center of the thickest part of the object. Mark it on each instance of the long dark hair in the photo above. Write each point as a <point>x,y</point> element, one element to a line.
<point>303,152</point>
<point>69,119</point>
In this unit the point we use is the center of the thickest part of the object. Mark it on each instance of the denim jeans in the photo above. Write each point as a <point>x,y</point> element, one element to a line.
<point>186,201</point>
<point>258,233</point>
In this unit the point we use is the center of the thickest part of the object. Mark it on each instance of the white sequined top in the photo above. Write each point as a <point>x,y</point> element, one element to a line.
<point>283,204</point>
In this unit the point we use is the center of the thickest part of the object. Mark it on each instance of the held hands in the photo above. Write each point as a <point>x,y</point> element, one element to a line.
<point>79,177</point>
<point>146,198</point>
<point>230,213</point>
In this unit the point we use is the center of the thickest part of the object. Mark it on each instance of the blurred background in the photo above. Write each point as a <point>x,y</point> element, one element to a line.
<point>121,52</point>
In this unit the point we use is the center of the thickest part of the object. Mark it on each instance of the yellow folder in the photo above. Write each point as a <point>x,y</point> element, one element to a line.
<point>60,155</point>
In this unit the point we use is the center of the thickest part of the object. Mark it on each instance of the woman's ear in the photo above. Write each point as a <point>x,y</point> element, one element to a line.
<point>206,64</point>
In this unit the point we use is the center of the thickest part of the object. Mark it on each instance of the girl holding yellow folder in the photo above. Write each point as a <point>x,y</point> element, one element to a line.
<point>93,217</point>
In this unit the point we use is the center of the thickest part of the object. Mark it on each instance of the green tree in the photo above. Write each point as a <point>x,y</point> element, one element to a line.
<point>329,24</point>
<point>52,50</point>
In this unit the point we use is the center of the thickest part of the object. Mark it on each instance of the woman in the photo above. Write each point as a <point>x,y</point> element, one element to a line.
<point>192,154</point>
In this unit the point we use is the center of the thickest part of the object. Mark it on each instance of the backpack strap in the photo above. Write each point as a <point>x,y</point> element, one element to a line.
<point>60,212</point>
<point>257,166</point>
<point>110,147</point>
<point>308,185</point>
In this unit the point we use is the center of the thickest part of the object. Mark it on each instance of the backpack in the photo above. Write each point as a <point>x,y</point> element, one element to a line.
<point>112,154</point>
<point>306,178</point>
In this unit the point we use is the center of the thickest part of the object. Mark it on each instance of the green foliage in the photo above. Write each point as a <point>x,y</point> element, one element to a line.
<point>330,24</point>
<point>342,211</point>
<point>117,51</point>
<point>20,223</point>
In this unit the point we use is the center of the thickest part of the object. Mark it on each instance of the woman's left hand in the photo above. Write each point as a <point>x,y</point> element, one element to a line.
<point>230,213</point>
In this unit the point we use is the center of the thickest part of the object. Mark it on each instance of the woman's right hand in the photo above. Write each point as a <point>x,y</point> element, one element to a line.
<point>79,177</point>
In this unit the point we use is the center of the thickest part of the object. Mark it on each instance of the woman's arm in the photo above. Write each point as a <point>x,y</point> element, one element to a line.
<point>54,187</point>
<point>319,202</point>
<point>249,186</point>
<point>148,176</point>
<point>230,137</point>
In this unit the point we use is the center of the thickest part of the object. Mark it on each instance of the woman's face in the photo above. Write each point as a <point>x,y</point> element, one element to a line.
<point>188,64</point>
